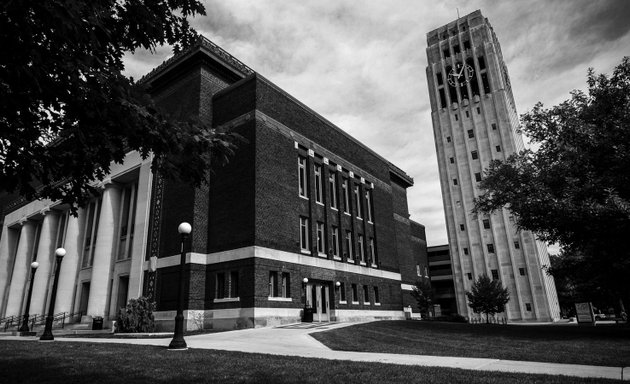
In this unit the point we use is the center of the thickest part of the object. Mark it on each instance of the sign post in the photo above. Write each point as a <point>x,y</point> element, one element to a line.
<point>584,313</point>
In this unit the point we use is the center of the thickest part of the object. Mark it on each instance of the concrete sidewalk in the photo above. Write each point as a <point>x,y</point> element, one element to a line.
<point>295,340</point>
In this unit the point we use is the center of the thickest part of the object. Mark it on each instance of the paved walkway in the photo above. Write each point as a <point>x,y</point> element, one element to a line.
<point>295,340</point>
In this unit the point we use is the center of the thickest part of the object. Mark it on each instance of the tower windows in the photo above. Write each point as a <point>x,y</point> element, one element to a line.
<point>440,79</point>
<point>454,181</point>
<point>494,126</point>
<point>442,98</point>
<point>462,227</point>
<point>485,83</point>
<point>517,245</point>
<point>448,139</point>
<point>467,114</point>
<point>490,248</point>
<point>495,274</point>
<point>486,224</point>
<point>456,117</point>
<point>471,134</point>
<point>482,63</point>
<point>477,177</point>
<point>465,251</point>
<point>466,43</point>
<point>452,160</point>
<point>474,155</point>
<point>521,271</point>
<point>478,111</point>
<point>498,148</point>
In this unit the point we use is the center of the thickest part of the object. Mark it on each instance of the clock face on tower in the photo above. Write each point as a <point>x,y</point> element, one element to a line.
<point>461,74</point>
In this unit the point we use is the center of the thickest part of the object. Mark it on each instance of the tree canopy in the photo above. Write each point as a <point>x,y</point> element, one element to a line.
<point>574,190</point>
<point>487,296</point>
<point>66,109</point>
<point>423,293</point>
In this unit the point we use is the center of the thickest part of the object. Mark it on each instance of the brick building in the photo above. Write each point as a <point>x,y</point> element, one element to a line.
<point>302,216</point>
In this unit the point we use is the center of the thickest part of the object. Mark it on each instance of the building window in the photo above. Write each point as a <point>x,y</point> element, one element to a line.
<point>456,117</point>
<point>318,184</point>
<point>332,182</point>
<point>490,248</point>
<point>321,249</point>
<point>91,229</point>
<point>372,253</point>
<point>498,147</point>
<point>220,286</point>
<point>368,204</point>
<point>440,80</point>
<point>349,245</point>
<point>465,251</point>
<point>471,134</point>
<point>517,245</point>
<point>482,63</point>
<point>358,202</point>
<point>478,111</point>
<point>303,177</point>
<point>486,223</point>
<point>477,176</point>
<point>469,275</point>
<point>528,306</point>
<point>474,155</point>
<point>346,196</point>
<point>467,114</point>
<point>355,294</point>
<point>452,160</point>
<point>127,221</point>
<point>342,292</point>
<point>521,271</point>
<point>234,284</point>
<point>286,285</point>
<point>494,126</point>
<point>377,297</point>
<point>366,294</point>
<point>462,227</point>
<point>304,234</point>
<point>361,249</point>
<point>273,284</point>
<point>448,139</point>
<point>454,181</point>
<point>466,42</point>
<point>335,241</point>
<point>495,274</point>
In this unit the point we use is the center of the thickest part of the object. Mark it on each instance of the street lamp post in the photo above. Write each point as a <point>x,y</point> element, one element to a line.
<point>178,341</point>
<point>24,328</point>
<point>59,253</point>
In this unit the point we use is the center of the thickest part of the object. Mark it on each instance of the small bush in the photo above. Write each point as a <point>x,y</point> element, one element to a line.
<point>137,317</point>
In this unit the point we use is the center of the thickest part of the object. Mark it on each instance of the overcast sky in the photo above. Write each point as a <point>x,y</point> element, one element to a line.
<point>361,64</point>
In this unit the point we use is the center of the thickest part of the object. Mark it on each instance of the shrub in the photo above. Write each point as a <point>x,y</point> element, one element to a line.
<point>137,317</point>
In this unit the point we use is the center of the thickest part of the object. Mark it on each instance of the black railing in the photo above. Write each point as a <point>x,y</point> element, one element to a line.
<point>60,319</point>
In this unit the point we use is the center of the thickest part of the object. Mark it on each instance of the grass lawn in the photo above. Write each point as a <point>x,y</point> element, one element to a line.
<point>68,362</point>
<point>607,345</point>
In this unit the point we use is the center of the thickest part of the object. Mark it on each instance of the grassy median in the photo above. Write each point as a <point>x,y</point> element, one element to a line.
<point>94,363</point>
<point>605,345</point>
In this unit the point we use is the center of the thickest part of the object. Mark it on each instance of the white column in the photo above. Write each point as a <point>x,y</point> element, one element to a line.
<point>45,258</point>
<point>7,249</point>
<point>141,230</point>
<point>21,269</point>
<point>105,245</point>
<point>69,265</point>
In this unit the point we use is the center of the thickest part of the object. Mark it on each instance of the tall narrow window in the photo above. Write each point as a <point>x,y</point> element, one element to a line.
<point>332,183</point>
<point>372,253</point>
<point>321,249</point>
<point>452,160</point>
<point>335,241</point>
<point>304,234</point>
<point>234,284</point>
<point>361,249</point>
<point>220,286</point>
<point>517,245</point>
<point>286,285</point>
<point>469,276</point>
<point>521,271</point>
<point>346,196</point>
<point>357,200</point>
<point>366,294</point>
<point>355,294</point>
<point>495,274</point>
<point>498,148</point>
<point>318,184</point>
<point>303,177</point>
<point>474,155</point>
<point>127,221</point>
<point>349,245</point>
<point>91,229</point>
<point>273,284</point>
<point>490,248</point>
<point>477,177</point>
<point>465,251</point>
<point>377,297</point>
<point>486,223</point>
<point>454,181</point>
<point>368,204</point>
<point>471,133</point>
<point>342,292</point>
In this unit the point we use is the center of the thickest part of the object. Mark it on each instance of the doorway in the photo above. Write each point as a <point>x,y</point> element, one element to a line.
<point>85,296</point>
<point>318,298</point>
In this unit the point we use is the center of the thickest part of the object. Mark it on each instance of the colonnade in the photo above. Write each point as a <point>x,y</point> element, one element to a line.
<point>37,234</point>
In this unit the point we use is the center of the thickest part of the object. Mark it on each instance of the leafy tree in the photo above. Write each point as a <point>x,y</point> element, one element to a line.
<point>487,296</point>
<point>136,317</point>
<point>423,293</point>
<point>66,109</point>
<point>575,189</point>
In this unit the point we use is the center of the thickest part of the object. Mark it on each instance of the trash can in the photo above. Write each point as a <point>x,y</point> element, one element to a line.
<point>308,315</point>
<point>97,323</point>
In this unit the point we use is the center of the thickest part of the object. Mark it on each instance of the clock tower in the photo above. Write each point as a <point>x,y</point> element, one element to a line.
<point>474,122</point>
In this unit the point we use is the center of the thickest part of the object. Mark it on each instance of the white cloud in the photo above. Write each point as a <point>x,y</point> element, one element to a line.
<point>362,64</point>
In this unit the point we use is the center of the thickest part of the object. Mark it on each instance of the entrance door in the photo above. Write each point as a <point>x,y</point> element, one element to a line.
<point>85,295</point>
<point>321,307</point>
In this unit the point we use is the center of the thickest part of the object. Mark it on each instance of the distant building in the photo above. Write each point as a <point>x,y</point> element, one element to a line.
<point>300,201</point>
<point>441,276</point>
<point>417,269</point>
<point>475,121</point>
